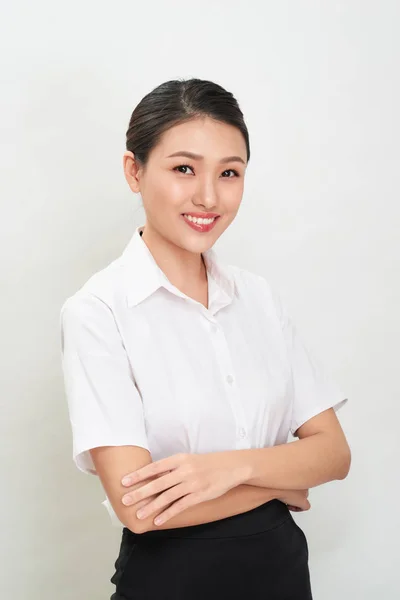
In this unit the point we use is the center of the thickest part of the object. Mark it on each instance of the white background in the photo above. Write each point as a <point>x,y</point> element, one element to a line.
<point>318,83</point>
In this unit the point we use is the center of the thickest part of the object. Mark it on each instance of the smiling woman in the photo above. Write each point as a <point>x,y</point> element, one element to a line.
<point>213,136</point>
<point>187,370</point>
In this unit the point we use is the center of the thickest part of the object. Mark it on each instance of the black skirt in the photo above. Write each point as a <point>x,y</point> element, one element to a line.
<point>261,554</point>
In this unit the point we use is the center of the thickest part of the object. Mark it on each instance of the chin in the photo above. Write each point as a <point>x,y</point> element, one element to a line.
<point>197,243</point>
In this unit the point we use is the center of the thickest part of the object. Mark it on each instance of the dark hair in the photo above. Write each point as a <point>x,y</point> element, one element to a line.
<point>177,101</point>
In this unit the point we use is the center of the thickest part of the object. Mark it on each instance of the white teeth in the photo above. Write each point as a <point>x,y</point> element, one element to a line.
<point>199,221</point>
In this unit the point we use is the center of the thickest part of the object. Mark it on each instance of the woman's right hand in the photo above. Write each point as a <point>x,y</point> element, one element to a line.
<point>296,500</point>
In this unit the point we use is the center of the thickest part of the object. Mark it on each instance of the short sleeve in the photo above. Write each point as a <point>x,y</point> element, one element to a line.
<point>313,388</point>
<point>105,407</point>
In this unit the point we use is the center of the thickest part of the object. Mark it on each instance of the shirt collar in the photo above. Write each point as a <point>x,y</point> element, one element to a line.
<point>144,276</point>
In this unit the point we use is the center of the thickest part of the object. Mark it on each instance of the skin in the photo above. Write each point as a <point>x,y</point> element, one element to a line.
<point>169,189</point>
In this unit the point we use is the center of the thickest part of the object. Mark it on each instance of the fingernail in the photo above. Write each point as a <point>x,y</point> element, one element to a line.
<point>126,481</point>
<point>127,500</point>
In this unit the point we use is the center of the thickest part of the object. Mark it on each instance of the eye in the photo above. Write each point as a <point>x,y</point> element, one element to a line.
<point>183,167</point>
<point>236,174</point>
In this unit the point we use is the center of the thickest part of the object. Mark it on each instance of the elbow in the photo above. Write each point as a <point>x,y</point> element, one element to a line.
<point>130,520</point>
<point>127,516</point>
<point>132,523</point>
<point>345,464</point>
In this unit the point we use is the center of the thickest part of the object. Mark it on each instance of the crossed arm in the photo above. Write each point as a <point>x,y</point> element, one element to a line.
<point>320,455</point>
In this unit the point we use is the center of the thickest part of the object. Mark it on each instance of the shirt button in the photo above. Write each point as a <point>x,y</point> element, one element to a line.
<point>242,433</point>
<point>229,379</point>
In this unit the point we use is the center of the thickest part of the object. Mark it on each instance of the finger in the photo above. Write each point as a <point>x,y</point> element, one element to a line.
<point>145,502</point>
<point>154,468</point>
<point>145,472</point>
<point>178,507</point>
<point>172,495</point>
<point>140,484</point>
<point>156,486</point>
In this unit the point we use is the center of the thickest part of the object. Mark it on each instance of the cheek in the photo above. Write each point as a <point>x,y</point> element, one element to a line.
<point>165,193</point>
<point>178,189</point>
<point>231,196</point>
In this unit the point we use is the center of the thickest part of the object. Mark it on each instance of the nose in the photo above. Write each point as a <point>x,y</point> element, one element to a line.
<point>206,194</point>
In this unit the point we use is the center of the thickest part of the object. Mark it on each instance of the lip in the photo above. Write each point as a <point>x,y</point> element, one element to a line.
<point>201,228</point>
<point>202,215</point>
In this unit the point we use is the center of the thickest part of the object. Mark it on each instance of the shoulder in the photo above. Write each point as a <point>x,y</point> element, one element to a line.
<point>101,293</point>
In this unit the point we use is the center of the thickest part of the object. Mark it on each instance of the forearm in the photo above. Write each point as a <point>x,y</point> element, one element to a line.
<point>299,465</point>
<point>237,500</point>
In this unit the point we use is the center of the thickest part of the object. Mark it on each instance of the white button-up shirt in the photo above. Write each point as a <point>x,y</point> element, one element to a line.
<point>146,365</point>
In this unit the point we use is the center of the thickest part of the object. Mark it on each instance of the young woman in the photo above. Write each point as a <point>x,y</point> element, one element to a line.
<point>185,376</point>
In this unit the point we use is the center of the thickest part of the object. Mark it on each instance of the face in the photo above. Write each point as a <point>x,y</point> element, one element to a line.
<point>174,186</point>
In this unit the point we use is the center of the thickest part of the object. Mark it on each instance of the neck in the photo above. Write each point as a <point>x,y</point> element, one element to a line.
<point>184,269</point>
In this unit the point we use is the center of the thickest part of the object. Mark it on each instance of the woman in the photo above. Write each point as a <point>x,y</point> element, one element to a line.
<point>185,376</point>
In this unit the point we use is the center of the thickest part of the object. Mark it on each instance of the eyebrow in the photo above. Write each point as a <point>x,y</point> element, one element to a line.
<point>200,157</point>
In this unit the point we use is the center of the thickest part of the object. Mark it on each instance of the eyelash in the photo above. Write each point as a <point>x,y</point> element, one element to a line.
<point>190,167</point>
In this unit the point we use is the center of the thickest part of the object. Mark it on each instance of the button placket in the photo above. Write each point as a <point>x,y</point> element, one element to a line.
<point>226,366</point>
<point>242,433</point>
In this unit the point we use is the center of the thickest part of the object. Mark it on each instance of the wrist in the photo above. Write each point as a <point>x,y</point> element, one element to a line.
<point>273,493</point>
<point>265,494</point>
<point>244,466</point>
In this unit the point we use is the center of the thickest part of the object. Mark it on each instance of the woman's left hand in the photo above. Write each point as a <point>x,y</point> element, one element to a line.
<point>186,480</point>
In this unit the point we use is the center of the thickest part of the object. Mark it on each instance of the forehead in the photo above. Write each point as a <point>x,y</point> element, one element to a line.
<point>202,136</point>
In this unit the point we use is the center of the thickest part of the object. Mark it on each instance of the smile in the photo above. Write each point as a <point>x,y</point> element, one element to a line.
<point>200,224</point>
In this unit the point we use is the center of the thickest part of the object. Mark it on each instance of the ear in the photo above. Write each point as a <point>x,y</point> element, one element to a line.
<point>131,170</point>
